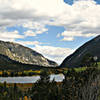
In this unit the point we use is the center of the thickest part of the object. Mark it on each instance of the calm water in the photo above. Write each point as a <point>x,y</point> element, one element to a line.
<point>32,79</point>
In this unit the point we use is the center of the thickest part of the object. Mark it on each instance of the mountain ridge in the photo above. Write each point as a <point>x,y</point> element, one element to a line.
<point>24,55</point>
<point>92,47</point>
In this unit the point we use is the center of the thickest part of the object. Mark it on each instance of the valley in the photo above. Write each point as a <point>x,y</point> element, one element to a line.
<point>77,78</point>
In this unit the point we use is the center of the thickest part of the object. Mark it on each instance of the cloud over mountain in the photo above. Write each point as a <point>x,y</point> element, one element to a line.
<point>54,53</point>
<point>81,19</point>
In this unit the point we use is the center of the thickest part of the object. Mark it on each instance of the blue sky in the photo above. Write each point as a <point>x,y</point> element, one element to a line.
<point>54,28</point>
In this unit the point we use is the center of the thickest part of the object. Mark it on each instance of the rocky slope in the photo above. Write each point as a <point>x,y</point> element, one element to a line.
<point>7,64</point>
<point>91,47</point>
<point>21,54</point>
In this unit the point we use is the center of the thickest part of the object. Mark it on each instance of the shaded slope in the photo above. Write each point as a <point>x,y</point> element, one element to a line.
<point>8,64</point>
<point>91,47</point>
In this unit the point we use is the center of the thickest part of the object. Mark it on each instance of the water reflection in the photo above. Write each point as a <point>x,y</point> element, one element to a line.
<point>28,79</point>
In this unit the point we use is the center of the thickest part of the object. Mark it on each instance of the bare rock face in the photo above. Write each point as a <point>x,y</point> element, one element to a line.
<point>24,55</point>
<point>91,47</point>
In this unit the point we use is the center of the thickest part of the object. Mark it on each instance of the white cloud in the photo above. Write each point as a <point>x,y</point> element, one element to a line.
<point>69,35</point>
<point>68,39</point>
<point>29,10</point>
<point>54,53</point>
<point>83,16</point>
<point>29,33</point>
<point>34,28</point>
<point>58,35</point>
<point>9,36</point>
<point>81,19</point>
<point>29,43</point>
<point>36,32</point>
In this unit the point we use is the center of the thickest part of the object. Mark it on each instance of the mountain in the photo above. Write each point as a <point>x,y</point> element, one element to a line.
<point>21,54</point>
<point>8,64</point>
<point>91,47</point>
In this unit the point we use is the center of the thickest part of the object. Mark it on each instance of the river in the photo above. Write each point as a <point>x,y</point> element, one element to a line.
<point>30,79</point>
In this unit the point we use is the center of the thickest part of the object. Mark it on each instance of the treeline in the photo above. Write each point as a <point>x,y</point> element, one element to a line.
<point>13,73</point>
<point>10,93</point>
<point>31,72</point>
<point>16,73</point>
<point>84,85</point>
<point>76,86</point>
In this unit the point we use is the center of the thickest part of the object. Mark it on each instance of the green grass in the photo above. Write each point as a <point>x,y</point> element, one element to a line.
<point>99,65</point>
<point>80,69</point>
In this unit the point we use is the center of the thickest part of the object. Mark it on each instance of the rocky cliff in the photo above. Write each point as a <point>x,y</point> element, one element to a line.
<point>24,55</point>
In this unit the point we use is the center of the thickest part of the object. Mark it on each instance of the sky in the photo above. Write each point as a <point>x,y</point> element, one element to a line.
<point>54,28</point>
